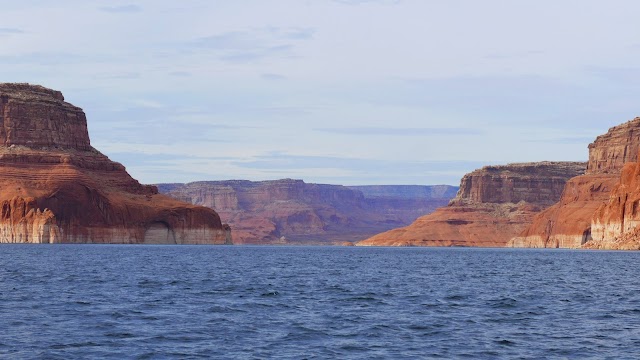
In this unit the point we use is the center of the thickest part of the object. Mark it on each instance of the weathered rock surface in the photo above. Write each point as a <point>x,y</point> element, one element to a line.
<point>568,224</point>
<point>56,188</point>
<point>620,145</point>
<point>294,212</point>
<point>615,223</point>
<point>493,205</point>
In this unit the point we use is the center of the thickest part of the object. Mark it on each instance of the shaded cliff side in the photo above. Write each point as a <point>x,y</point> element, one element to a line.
<point>294,212</point>
<point>568,224</point>
<point>56,188</point>
<point>493,204</point>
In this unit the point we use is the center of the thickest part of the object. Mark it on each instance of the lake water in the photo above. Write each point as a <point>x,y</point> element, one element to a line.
<point>109,301</point>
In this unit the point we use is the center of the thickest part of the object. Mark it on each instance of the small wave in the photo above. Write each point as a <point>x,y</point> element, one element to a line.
<point>503,303</point>
<point>73,345</point>
<point>505,342</point>
<point>119,335</point>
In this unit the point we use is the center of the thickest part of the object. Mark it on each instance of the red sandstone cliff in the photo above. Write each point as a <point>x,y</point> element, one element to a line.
<point>295,212</point>
<point>493,204</point>
<point>568,224</point>
<point>56,188</point>
<point>615,223</point>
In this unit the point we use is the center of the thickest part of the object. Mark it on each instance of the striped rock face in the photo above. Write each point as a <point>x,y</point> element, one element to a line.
<point>590,212</point>
<point>38,117</point>
<point>493,205</point>
<point>291,211</point>
<point>56,188</point>
<point>615,224</point>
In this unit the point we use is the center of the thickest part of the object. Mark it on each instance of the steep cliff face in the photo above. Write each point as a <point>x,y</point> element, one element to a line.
<point>615,223</point>
<point>620,145</point>
<point>568,224</point>
<point>38,117</point>
<point>292,211</point>
<point>56,188</point>
<point>493,204</point>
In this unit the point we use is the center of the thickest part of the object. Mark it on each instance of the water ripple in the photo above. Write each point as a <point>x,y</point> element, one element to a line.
<point>149,302</point>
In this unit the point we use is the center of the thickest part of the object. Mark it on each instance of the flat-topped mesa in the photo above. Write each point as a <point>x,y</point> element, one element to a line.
<point>55,188</point>
<point>292,211</point>
<point>620,145</point>
<point>37,117</point>
<point>538,183</point>
<point>493,205</point>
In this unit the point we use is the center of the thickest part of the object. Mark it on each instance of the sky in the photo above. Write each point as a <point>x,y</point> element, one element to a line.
<point>350,92</point>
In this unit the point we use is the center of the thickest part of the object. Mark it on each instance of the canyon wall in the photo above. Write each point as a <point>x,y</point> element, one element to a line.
<point>56,188</point>
<point>620,145</point>
<point>294,212</point>
<point>493,205</point>
<point>615,223</point>
<point>570,223</point>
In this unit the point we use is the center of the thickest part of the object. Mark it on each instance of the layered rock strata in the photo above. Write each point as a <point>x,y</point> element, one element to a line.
<point>570,223</point>
<point>56,188</point>
<point>615,224</point>
<point>493,205</point>
<point>294,212</point>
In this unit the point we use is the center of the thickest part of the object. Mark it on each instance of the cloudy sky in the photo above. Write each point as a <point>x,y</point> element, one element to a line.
<point>331,91</point>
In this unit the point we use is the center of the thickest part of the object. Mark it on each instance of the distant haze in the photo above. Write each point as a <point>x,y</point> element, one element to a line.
<point>331,91</point>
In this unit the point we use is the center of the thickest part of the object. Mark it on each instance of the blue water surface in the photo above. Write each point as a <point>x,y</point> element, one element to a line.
<point>127,301</point>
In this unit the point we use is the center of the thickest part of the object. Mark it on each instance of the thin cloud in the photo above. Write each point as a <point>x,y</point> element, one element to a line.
<point>514,55</point>
<point>294,33</point>
<point>357,170</point>
<point>619,75</point>
<point>251,38</point>
<point>180,74</point>
<point>10,31</point>
<point>122,9</point>
<point>287,161</point>
<point>253,44</point>
<point>565,140</point>
<point>401,131</point>
<point>362,2</point>
<point>248,56</point>
<point>120,76</point>
<point>273,77</point>
<point>41,58</point>
<point>234,40</point>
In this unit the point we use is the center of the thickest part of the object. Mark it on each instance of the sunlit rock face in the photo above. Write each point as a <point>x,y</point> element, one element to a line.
<point>578,218</point>
<point>615,223</point>
<point>56,188</point>
<point>586,216</point>
<point>567,224</point>
<point>611,151</point>
<point>493,205</point>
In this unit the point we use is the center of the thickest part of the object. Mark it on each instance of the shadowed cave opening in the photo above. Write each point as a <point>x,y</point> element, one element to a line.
<point>586,236</point>
<point>159,232</point>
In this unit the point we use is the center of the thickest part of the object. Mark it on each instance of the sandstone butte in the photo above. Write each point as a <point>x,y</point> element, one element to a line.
<point>599,208</point>
<point>291,211</point>
<point>56,188</point>
<point>493,205</point>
